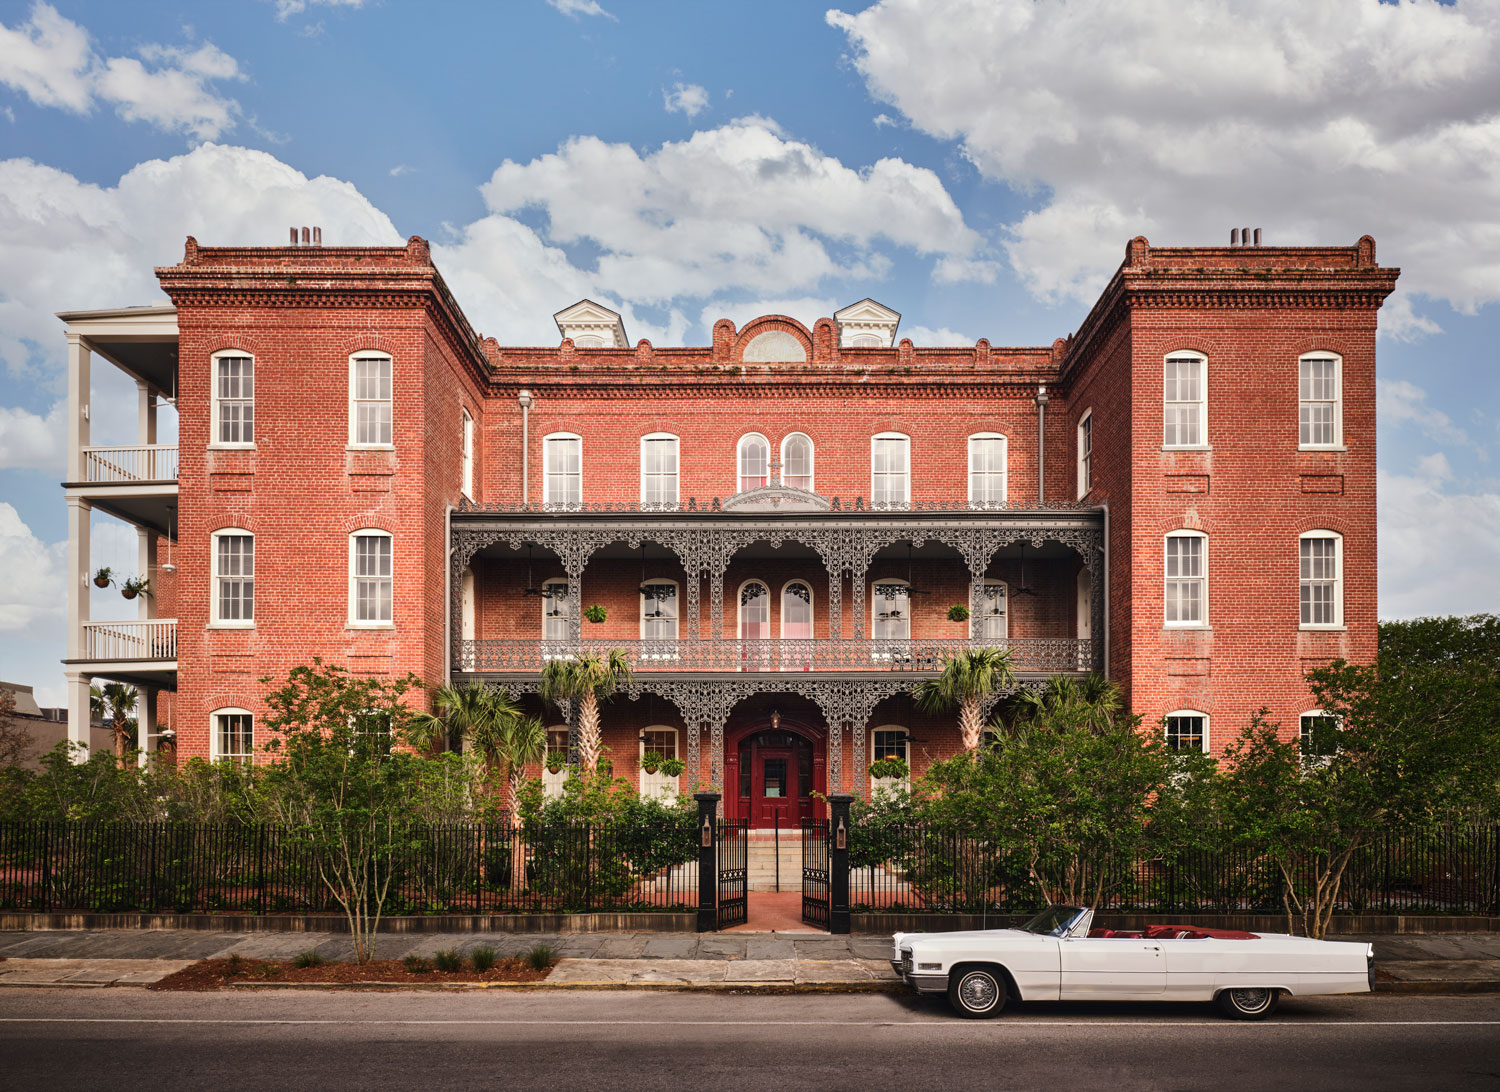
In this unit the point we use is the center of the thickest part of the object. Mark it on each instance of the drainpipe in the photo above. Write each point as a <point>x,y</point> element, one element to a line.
<point>1041,446</point>
<point>524,398</point>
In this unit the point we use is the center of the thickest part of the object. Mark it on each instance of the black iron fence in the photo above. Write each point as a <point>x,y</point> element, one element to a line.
<point>264,869</point>
<point>933,869</point>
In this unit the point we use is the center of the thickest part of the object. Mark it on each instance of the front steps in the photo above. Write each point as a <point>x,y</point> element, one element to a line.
<point>763,860</point>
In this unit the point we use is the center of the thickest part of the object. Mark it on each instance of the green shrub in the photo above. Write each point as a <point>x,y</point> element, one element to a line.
<point>540,956</point>
<point>310,958</point>
<point>416,964</point>
<point>483,958</point>
<point>449,961</point>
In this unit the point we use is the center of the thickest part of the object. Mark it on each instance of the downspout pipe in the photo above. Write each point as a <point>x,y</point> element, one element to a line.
<point>1041,446</point>
<point>524,398</point>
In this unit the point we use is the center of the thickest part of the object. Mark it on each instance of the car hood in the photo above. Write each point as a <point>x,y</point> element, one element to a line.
<point>938,941</point>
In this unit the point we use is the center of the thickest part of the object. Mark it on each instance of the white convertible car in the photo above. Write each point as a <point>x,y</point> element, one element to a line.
<point>1054,957</point>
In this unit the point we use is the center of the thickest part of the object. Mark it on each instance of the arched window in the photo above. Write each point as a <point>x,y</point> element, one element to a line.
<point>659,459</point>
<point>371,398</point>
<point>796,611</point>
<point>231,735</point>
<point>557,611</point>
<point>659,610</point>
<point>1320,400</point>
<point>890,470</point>
<point>797,461</point>
<point>1185,589</point>
<point>1320,579</point>
<point>662,739</point>
<point>371,578</point>
<point>890,610</point>
<point>1187,730</point>
<point>754,462</point>
<point>562,470</point>
<point>233,599</point>
<point>890,741</point>
<point>234,399</point>
<point>1185,400</point>
<point>987,454</point>
<point>755,626</point>
<point>992,623</point>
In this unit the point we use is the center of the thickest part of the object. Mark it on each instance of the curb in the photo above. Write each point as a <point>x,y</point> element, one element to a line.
<point>679,987</point>
<point>1432,987</point>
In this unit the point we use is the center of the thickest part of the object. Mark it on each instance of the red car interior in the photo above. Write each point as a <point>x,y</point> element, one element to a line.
<point>1173,932</point>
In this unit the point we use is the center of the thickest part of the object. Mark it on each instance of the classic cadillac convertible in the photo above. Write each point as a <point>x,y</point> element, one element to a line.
<point>1055,957</point>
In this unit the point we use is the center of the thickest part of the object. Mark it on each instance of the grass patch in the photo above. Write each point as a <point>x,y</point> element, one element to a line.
<point>310,958</point>
<point>539,957</point>
<point>449,961</point>
<point>483,958</point>
<point>416,964</point>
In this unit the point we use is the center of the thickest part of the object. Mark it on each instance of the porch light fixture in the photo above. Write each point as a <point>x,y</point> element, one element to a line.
<point>167,566</point>
<point>531,588</point>
<point>775,720</point>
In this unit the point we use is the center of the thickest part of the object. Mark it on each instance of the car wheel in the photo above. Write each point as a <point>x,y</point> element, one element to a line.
<point>1250,1003</point>
<point>977,992</point>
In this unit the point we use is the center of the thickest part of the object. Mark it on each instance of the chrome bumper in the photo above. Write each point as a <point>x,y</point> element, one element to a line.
<point>928,983</point>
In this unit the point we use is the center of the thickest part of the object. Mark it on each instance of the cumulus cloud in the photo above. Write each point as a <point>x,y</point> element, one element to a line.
<point>574,8</point>
<point>1437,548</point>
<point>51,60</point>
<point>685,98</point>
<point>1399,403</point>
<point>31,441</point>
<point>285,9</point>
<point>805,309</point>
<point>1319,122</point>
<point>34,587</point>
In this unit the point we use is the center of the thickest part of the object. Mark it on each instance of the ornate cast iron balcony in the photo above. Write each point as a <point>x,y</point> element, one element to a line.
<point>1044,655</point>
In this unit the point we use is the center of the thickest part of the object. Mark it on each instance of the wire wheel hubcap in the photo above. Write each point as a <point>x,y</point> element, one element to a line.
<point>978,992</point>
<point>1250,1000</point>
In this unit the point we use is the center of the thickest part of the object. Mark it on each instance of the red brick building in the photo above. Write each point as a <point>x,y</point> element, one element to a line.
<point>776,527</point>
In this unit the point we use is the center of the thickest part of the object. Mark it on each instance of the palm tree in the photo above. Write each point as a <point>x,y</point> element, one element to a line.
<point>117,701</point>
<point>521,741</point>
<point>968,678</point>
<point>588,680</point>
<point>473,712</point>
<point>1092,702</point>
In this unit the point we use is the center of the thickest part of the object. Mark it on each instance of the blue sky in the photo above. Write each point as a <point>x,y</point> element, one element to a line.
<point>976,164</point>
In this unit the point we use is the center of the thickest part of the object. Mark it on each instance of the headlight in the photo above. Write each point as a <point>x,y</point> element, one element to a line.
<point>929,966</point>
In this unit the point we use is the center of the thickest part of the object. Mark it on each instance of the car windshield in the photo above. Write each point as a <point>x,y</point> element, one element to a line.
<point>1053,921</point>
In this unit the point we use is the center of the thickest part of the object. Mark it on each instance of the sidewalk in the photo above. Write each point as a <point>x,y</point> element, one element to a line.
<point>1452,963</point>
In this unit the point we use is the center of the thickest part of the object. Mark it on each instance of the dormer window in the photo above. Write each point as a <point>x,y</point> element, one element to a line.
<point>866,325</point>
<point>591,326</point>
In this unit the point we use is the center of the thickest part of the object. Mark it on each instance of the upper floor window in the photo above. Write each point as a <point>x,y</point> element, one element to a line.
<point>562,470</point>
<point>1187,730</point>
<point>796,611</point>
<point>233,578</point>
<point>986,469</point>
<point>1321,578</point>
<point>370,397</point>
<point>991,623</point>
<point>659,470</point>
<point>1186,587</point>
<point>557,611</point>
<point>1320,400</point>
<point>797,461</point>
<point>234,399</point>
<point>1085,453</point>
<point>371,578</point>
<point>659,610</point>
<point>755,611</point>
<point>468,455</point>
<point>890,470</point>
<point>890,607</point>
<point>1318,736</point>
<point>754,462</point>
<point>232,735</point>
<point>1186,400</point>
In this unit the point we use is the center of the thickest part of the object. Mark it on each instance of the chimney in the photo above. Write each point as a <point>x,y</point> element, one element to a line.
<point>318,236</point>
<point>294,236</point>
<point>1234,236</point>
<point>306,236</point>
<point>1257,236</point>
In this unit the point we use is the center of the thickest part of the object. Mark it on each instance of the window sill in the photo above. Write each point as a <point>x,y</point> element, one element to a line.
<point>370,625</point>
<point>231,625</point>
<point>1187,627</point>
<point>231,447</point>
<point>1314,449</point>
<point>370,447</point>
<point>1181,447</point>
<point>1322,629</point>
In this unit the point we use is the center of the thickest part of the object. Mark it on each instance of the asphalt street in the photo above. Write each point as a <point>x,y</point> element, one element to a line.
<point>330,1041</point>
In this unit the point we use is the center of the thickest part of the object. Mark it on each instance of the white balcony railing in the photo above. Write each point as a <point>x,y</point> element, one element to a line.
<point>137,463</point>
<point>147,639</point>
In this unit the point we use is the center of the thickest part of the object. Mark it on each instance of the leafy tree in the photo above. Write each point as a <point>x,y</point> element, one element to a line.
<point>967,679</point>
<point>16,742</point>
<point>588,680</point>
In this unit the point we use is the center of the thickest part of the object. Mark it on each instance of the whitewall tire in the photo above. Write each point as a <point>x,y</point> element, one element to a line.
<point>978,993</point>
<point>1249,1003</point>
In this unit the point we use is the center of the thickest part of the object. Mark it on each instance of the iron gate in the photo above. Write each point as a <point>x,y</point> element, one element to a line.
<point>816,896</point>
<point>733,852</point>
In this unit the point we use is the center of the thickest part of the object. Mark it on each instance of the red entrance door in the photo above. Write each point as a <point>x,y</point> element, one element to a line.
<point>777,777</point>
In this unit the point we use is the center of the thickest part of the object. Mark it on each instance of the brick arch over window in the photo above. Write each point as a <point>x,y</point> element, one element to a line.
<point>371,342</point>
<point>246,346</point>
<point>370,521</point>
<point>1323,521</point>
<point>1321,343</point>
<point>784,324</point>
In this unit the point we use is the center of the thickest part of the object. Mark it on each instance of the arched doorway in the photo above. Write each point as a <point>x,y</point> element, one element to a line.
<point>773,765</point>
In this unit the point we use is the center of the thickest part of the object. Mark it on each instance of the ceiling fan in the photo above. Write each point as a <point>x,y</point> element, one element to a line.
<point>546,592</point>
<point>1022,588</point>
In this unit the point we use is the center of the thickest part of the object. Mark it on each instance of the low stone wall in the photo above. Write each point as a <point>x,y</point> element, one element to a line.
<point>1351,924</point>
<point>333,923</point>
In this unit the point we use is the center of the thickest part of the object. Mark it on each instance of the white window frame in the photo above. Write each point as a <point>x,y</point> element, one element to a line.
<point>552,783</point>
<point>215,748</point>
<point>905,501</point>
<point>467,483</point>
<point>548,501</point>
<point>216,400</point>
<point>991,582</point>
<point>1337,443</point>
<point>812,600</point>
<point>891,782</point>
<point>812,460</point>
<point>657,437</point>
<point>1004,468</point>
<point>215,620</point>
<point>676,606</point>
<point>1201,402</point>
<point>548,600</point>
<point>1338,579</point>
<point>739,462</point>
<point>1085,453</point>
<point>1165,726</point>
<point>658,784</point>
<point>739,609</point>
<point>355,622</point>
<point>875,600</point>
<point>1302,733</point>
<point>355,403</point>
<point>1200,623</point>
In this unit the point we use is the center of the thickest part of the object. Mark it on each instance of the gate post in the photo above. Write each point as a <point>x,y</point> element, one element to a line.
<point>838,862</point>
<point>708,864</point>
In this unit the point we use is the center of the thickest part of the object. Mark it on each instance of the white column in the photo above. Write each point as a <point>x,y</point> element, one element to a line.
<point>78,574</point>
<point>79,719</point>
<point>78,405</point>
<point>146,564</point>
<point>145,413</point>
<point>145,722</point>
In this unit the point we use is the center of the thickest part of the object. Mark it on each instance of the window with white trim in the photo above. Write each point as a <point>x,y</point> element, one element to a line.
<point>659,470</point>
<point>663,740</point>
<point>1085,453</point>
<point>659,610</point>
<point>557,755</point>
<point>370,400</point>
<point>754,462</point>
<point>890,470</point>
<point>797,461</point>
<point>987,454</point>
<point>1185,397</point>
<point>754,611</point>
<point>1185,589</point>
<point>557,611</point>
<point>562,470</point>
<point>233,578</point>
<point>991,622</point>
<point>796,611</point>
<point>1320,563</point>
<point>890,610</point>
<point>889,741</point>
<point>234,399</point>
<point>371,578</point>
<point>468,456</point>
<point>1187,730</point>
<point>1320,400</point>
<point>1318,734</point>
<point>232,735</point>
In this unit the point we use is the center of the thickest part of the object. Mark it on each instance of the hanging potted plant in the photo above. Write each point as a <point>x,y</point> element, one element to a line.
<point>889,769</point>
<point>101,578</point>
<point>958,613</point>
<point>556,760</point>
<point>133,587</point>
<point>595,613</point>
<point>651,761</point>
<point>672,767</point>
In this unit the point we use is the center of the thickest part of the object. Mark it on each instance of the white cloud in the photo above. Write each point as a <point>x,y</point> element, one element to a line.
<point>285,9</point>
<point>1317,121</point>
<point>574,8</point>
<point>806,310</point>
<point>52,61</point>
<point>1398,402</point>
<point>32,441</point>
<point>926,335</point>
<point>402,168</point>
<point>685,98</point>
<point>34,587</point>
<point>1437,549</point>
<point>882,120</point>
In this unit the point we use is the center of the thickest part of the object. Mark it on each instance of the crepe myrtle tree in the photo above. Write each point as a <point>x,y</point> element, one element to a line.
<point>587,680</point>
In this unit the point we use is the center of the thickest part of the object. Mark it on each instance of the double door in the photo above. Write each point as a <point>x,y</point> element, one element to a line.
<point>777,777</point>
